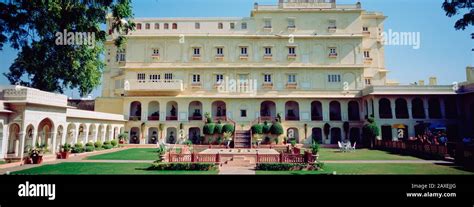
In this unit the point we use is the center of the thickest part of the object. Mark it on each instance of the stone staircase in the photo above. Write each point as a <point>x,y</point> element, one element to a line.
<point>239,162</point>
<point>242,139</point>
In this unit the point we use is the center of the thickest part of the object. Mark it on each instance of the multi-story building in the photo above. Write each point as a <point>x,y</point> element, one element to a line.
<point>314,62</point>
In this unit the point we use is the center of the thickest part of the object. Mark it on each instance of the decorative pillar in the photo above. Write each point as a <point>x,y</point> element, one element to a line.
<point>394,134</point>
<point>393,107</point>
<point>53,147</point>
<point>325,106</point>
<point>410,109</point>
<point>427,108</point>
<point>376,108</point>
<point>22,136</point>
<point>344,110</point>
<point>86,134</point>
<point>95,134</point>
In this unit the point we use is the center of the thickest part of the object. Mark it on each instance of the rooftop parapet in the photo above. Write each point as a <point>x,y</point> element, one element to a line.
<point>306,4</point>
<point>31,95</point>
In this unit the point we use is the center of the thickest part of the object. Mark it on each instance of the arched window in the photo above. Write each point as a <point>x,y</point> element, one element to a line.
<point>316,111</point>
<point>418,109</point>
<point>335,111</point>
<point>175,26</point>
<point>166,26</point>
<point>385,109</point>
<point>353,110</point>
<point>220,25</point>
<point>139,26</point>
<point>434,108</point>
<point>157,25</point>
<point>147,26</point>
<point>401,108</point>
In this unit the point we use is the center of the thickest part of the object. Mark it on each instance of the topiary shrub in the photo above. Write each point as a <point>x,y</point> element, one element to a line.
<point>89,144</point>
<point>78,148</point>
<point>266,127</point>
<point>209,128</point>
<point>184,166</point>
<point>276,129</point>
<point>114,143</point>
<point>228,128</point>
<point>89,148</point>
<point>219,128</point>
<point>257,129</point>
<point>107,146</point>
<point>98,144</point>
<point>107,143</point>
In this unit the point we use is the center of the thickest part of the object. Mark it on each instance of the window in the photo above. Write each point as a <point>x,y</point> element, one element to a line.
<point>197,51</point>
<point>156,52</point>
<point>220,25</point>
<point>196,78</point>
<point>120,56</point>
<point>154,77</point>
<point>291,23</point>
<point>243,51</point>
<point>368,81</point>
<point>219,78</point>
<point>268,51</point>
<point>244,25</point>
<point>267,24</point>
<point>332,52</point>
<point>168,76</point>
<point>243,113</point>
<point>291,51</point>
<point>292,78</point>
<point>175,26</point>
<point>141,77</point>
<point>365,29</point>
<point>157,25</point>
<point>197,25</point>
<point>267,78</point>
<point>147,26</point>
<point>332,24</point>
<point>334,78</point>
<point>232,25</point>
<point>166,26</point>
<point>366,54</point>
<point>220,51</point>
<point>139,26</point>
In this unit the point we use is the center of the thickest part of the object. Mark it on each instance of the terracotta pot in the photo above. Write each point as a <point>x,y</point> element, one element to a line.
<point>65,155</point>
<point>37,159</point>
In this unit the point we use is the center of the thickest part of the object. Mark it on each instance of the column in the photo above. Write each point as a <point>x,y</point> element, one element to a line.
<point>53,147</point>
<point>443,108</point>
<point>344,110</point>
<point>145,135</point>
<point>75,134</point>
<point>163,110</point>
<point>64,135</point>
<point>95,133</point>
<point>280,109</point>
<point>86,134</point>
<point>394,134</point>
<point>111,134</point>
<point>144,111</point>
<point>22,136</point>
<point>4,143</point>
<point>410,109</point>
<point>325,106</point>
<point>427,108</point>
<point>393,107</point>
<point>376,109</point>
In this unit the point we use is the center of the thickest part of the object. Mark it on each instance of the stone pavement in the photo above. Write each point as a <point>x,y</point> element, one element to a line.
<point>236,171</point>
<point>387,161</point>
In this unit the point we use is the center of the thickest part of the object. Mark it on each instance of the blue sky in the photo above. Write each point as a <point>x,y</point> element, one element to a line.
<point>444,52</point>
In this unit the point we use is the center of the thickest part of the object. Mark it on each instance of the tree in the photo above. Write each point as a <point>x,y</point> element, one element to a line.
<point>370,132</point>
<point>47,33</point>
<point>454,7</point>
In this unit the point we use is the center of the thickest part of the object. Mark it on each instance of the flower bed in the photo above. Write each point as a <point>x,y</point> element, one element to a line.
<point>184,166</point>
<point>289,166</point>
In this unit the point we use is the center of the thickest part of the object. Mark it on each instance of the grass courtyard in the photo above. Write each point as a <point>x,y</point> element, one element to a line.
<point>81,168</point>
<point>129,154</point>
<point>85,168</point>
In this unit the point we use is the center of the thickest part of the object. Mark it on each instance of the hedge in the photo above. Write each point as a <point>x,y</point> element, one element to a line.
<point>183,166</point>
<point>266,128</point>
<point>219,128</point>
<point>98,144</point>
<point>228,128</point>
<point>209,128</point>
<point>288,166</point>
<point>114,143</point>
<point>257,129</point>
<point>276,129</point>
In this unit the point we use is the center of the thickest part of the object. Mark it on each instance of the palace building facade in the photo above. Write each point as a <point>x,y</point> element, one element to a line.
<point>313,62</point>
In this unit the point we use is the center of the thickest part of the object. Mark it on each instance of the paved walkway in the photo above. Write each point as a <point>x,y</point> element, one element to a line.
<point>387,161</point>
<point>236,171</point>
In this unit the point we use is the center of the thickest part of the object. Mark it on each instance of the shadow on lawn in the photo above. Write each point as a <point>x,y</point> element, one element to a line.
<point>457,167</point>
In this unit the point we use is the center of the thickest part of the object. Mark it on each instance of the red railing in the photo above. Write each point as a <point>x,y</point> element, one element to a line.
<point>292,158</point>
<point>268,158</point>
<point>259,158</point>
<point>413,147</point>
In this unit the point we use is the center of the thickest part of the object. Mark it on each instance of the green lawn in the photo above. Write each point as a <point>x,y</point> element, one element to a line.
<point>128,154</point>
<point>376,169</point>
<point>360,154</point>
<point>2,162</point>
<point>102,169</point>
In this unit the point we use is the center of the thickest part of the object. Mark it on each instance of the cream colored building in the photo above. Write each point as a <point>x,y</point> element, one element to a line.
<point>314,62</point>
<point>29,116</point>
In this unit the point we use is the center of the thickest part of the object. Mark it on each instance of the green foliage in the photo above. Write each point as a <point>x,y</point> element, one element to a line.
<point>107,143</point>
<point>114,143</point>
<point>89,144</point>
<point>219,128</point>
<point>209,128</point>
<point>276,129</point>
<point>89,148</point>
<point>315,148</point>
<point>454,8</point>
<point>31,27</point>
<point>219,140</point>
<point>208,118</point>
<point>107,146</point>
<point>257,129</point>
<point>184,166</point>
<point>66,148</point>
<point>266,127</point>
<point>98,144</point>
<point>78,148</point>
<point>160,152</point>
<point>293,142</point>
<point>228,128</point>
<point>123,136</point>
<point>188,143</point>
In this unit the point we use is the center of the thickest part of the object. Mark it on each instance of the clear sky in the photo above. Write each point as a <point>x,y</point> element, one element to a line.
<point>444,52</point>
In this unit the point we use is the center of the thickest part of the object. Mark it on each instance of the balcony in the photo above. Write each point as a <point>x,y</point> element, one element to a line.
<point>267,85</point>
<point>316,118</point>
<point>244,57</point>
<point>291,85</point>
<point>154,118</point>
<point>292,118</point>
<point>291,56</point>
<point>332,55</point>
<point>196,85</point>
<point>155,56</point>
<point>195,118</point>
<point>135,118</point>
<point>219,57</point>
<point>172,118</point>
<point>157,85</point>
<point>196,57</point>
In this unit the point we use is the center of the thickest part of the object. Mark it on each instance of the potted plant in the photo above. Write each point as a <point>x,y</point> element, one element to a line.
<point>36,154</point>
<point>227,138</point>
<point>65,151</point>
<point>123,138</point>
<point>315,151</point>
